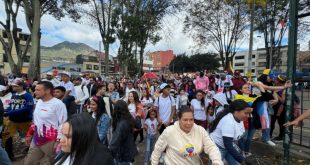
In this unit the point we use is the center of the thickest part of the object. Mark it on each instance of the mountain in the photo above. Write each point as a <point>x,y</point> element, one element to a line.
<point>65,51</point>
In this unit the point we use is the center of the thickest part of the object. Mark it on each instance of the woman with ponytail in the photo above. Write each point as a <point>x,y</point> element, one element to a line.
<point>199,107</point>
<point>227,129</point>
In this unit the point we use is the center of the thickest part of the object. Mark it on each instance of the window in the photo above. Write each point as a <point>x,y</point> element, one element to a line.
<point>253,56</point>
<point>253,70</point>
<point>262,56</point>
<point>5,59</point>
<point>253,63</point>
<point>89,66</point>
<point>27,59</point>
<point>239,64</point>
<point>4,34</point>
<point>239,57</point>
<point>96,67</point>
<point>262,64</point>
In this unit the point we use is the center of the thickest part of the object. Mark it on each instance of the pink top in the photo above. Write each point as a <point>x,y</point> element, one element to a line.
<point>202,83</point>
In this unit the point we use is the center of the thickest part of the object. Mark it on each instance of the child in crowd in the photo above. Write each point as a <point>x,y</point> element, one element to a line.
<point>151,126</point>
<point>182,99</point>
<point>210,114</point>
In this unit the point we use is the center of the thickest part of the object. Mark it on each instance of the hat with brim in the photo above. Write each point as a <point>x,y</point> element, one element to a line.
<point>66,73</point>
<point>164,86</point>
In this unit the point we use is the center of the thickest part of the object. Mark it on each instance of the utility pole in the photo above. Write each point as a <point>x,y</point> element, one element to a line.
<point>291,69</point>
<point>99,55</point>
<point>249,69</point>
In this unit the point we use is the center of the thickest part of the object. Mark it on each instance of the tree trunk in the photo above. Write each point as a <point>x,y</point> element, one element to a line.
<point>106,60</point>
<point>34,65</point>
<point>141,60</point>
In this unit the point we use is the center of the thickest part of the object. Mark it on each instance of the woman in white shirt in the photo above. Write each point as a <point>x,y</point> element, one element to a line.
<point>199,106</point>
<point>228,128</point>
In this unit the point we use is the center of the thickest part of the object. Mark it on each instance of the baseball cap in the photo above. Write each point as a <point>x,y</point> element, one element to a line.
<point>18,82</point>
<point>2,88</point>
<point>49,73</point>
<point>164,86</point>
<point>66,73</point>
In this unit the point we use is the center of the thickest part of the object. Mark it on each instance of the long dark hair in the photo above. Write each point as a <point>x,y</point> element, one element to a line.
<point>237,105</point>
<point>121,112</point>
<point>147,94</point>
<point>203,104</point>
<point>84,139</point>
<point>100,107</point>
<point>135,98</point>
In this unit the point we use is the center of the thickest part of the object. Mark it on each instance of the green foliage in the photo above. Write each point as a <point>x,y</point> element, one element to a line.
<point>220,24</point>
<point>197,62</point>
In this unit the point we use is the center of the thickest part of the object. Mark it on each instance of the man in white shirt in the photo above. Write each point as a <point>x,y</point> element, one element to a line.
<point>129,88</point>
<point>45,131</point>
<point>65,77</point>
<point>81,93</point>
<point>49,77</point>
<point>165,106</point>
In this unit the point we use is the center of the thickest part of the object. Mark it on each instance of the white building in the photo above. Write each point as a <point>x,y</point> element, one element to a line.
<point>259,63</point>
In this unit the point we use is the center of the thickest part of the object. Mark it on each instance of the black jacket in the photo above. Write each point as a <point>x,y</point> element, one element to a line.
<point>122,144</point>
<point>102,156</point>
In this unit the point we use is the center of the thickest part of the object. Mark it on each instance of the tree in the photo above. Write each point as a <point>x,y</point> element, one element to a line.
<point>13,37</point>
<point>272,21</point>
<point>101,14</point>
<point>206,61</point>
<point>180,64</point>
<point>34,10</point>
<point>217,23</point>
<point>150,14</point>
<point>197,62</point>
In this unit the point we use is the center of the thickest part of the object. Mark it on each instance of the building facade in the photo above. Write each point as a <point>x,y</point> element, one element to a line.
<point>4,64</point>
<point>259,61</point>
<point>161,59</point>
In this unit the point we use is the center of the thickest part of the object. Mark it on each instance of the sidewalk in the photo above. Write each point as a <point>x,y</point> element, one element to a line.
<point>265,154</point>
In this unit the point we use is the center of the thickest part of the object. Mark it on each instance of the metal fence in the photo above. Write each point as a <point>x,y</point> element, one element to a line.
<point>301,135</point>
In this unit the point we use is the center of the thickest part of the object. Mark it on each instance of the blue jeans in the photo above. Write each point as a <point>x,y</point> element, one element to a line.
<point>116,162</point>
<point>4,159</point>
<point>149,147</point>
<point>225,155</point>
<point>246,141</point>
<point>265,135</point>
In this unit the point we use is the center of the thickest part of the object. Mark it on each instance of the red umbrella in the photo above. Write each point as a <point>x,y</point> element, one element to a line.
<point>149,75</point>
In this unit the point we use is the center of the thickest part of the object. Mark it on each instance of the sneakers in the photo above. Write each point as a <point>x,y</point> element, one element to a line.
<point>269,142</point>
<point>278,139</point>
<point>247,154</point>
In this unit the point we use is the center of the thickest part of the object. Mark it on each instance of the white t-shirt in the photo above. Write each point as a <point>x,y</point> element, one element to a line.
<point>81,94</point>
<point>165,107</point>
<point>145,102</point>
<point>50,115</point>
<point>151,126</point>
<point>228,127</point>
<point>6,100</point>
<point>69,86</point>
<point>232,96</point>
<point>199,111</point>
<point>132,109</point>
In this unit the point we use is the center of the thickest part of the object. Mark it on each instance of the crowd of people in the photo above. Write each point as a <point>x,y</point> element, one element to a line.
<point>84,120</point>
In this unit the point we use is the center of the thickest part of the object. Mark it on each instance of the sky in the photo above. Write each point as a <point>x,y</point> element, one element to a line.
<point>54,31</point>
